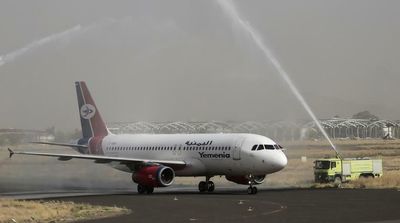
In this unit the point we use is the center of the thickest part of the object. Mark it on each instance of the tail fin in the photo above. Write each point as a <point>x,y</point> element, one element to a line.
<point>91,122</point>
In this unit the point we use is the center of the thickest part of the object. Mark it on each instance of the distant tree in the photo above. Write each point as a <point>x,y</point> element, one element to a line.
<point>3,140</point>
<point>365,115</point>
<point>61,136</point>
<point>76,134</point>
<point>51,130</point>
<point>15,139</point>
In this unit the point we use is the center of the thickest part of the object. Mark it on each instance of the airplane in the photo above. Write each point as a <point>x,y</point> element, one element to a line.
<point>154,160</point>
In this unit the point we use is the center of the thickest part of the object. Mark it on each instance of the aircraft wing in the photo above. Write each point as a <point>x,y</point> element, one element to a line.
<point>105,159</point>
<point>61,144</point>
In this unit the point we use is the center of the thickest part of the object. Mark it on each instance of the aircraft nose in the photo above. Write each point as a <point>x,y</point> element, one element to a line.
<point>280,161</point>
<point>283,160</point>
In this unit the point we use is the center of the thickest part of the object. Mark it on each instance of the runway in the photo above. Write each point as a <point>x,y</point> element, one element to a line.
<point>234,205</point>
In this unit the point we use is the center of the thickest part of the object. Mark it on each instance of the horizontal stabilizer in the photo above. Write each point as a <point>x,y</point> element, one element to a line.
<point>61,144</point>
<point>11,152</point>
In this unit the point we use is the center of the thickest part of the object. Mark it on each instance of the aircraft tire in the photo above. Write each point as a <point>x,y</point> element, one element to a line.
<point>254,190</point>
<point>250,190</point>
<point>149,190</point>
<point>211,186</point>
<point>202,186</point>
<point>141,189</point>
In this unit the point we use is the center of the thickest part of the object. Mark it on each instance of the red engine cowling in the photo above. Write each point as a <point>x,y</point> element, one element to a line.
<point>154,176</point>
<point>245,179</point>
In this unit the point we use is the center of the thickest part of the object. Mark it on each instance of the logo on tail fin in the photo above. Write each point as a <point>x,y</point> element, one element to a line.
<point>88,111</point>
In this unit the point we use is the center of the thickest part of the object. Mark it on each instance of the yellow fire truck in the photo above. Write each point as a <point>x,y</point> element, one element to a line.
<point>339,170</point>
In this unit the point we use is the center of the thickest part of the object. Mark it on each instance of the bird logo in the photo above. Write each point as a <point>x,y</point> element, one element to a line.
<point>88,111</point>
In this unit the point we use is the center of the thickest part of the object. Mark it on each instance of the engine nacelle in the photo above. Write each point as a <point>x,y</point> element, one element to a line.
<point>154,176</point>
<point>245,179</point>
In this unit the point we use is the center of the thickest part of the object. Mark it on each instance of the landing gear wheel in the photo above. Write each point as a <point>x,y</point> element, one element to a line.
<point>202,186</point>
<point>141,189</point>
<point>149,190</point>
<point>144,189</point>
<point>252,190</point>
<point>211,186</point>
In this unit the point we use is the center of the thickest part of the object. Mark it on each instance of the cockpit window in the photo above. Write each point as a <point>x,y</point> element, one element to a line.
<point>269,147</point>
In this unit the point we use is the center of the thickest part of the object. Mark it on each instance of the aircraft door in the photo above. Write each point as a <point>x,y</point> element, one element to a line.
<point>237,148</point>
<point>177,153</point>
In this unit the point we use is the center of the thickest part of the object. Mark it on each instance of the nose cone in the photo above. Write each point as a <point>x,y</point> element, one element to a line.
<point>280,161</point>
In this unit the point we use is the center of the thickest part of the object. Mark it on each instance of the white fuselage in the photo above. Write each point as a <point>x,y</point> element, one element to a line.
<point>204,154</point>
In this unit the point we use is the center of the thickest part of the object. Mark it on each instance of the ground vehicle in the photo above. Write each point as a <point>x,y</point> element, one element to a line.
<point>341,170</point>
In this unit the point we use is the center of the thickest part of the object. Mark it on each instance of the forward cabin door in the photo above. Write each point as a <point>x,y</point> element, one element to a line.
<point>237,148</point>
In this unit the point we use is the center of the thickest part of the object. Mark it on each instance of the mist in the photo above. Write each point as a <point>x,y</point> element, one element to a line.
<point>182,60</point>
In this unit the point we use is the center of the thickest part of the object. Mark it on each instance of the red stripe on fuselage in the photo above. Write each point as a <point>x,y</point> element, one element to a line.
<point>95,145</point>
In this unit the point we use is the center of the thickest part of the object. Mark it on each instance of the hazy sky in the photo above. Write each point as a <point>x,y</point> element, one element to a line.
<point>183,60</point>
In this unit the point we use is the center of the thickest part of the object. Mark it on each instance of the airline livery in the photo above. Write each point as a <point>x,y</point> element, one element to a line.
<point>155,159</point>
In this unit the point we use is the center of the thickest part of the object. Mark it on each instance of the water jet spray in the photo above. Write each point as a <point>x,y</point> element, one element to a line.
<point>35,44</point>
<point>230,10</point>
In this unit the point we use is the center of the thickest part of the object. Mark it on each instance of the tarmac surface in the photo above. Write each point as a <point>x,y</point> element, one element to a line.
<point>269,205</point>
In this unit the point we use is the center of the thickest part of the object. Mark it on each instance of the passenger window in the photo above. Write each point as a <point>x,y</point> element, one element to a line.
<point>260,147</point>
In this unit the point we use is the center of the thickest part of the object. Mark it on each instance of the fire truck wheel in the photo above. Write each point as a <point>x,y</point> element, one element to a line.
<point>337,181</point>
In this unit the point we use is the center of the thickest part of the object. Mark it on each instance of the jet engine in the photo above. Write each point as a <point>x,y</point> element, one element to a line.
<point>154,176</point>
<point>245,179</point>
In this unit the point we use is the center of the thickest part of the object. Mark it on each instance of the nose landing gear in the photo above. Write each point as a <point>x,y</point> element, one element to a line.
<point>206,185</point>
<point>251,189</point>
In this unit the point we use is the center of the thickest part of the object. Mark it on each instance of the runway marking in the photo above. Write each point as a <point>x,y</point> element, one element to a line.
<point>254,208</point>
<point>279,209</point>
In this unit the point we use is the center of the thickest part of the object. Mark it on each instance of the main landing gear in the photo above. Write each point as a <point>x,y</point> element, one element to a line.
<point>144,189</point>
<point>251,189</point>
<point>206,185</point>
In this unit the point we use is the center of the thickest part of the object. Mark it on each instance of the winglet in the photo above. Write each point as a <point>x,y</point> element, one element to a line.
<point>11,152</point>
